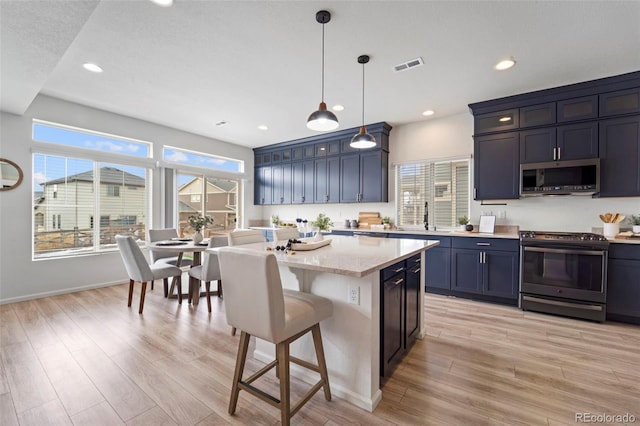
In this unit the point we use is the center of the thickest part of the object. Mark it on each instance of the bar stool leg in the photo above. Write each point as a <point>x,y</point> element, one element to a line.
<point>142,294</point>
<point>243,347</point>
<point>322,365</point>
<point>130,293</point>
<point>282,351</point>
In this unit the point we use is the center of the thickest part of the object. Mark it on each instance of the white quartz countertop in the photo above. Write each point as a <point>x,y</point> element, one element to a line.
<point>355,256</point>
<point>508,232</point>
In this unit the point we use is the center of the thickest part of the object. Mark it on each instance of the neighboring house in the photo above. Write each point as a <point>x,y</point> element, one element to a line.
<point>221,201</point>
<point>67,203</point>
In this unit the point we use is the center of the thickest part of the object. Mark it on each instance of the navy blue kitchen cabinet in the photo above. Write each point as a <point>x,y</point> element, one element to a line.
<point>400,306</point>
<point>487,266</point>
<point>327,180</point>
<point>281,178</point>
<point>538,115</point>
<point>568,142</point>
<point>577,141</point>
<point>584,108</point>
<point>363,177</point>
<point>620,102</point>
<point>496,121</point>
<point>538,145</point>
<point>263,185</point>
<point>620,157</point>
<point>496,166</point>
<point>438,265</point>
<point>302,182</point>
<point>623,283</point>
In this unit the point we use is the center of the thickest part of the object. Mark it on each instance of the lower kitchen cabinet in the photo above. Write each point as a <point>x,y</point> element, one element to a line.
<point>437,274</point>
<point>486,266</point>
<point>399,311</point>
<point>623,283</point>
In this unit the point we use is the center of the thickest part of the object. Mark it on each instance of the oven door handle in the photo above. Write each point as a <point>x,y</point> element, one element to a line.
<point>565,251</point>
<point>564,304</point>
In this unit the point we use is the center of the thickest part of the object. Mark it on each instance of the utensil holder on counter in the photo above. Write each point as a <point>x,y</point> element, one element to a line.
<point>610,229</point>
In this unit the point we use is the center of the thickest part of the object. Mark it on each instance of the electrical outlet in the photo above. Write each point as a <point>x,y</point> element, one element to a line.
<point>354,295</point>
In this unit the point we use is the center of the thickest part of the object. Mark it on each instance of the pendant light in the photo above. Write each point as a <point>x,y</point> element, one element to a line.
<point>362,139</point>
<point>322,119</point>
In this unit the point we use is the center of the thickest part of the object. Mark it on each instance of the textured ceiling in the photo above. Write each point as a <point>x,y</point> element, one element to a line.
<point>258,62</point>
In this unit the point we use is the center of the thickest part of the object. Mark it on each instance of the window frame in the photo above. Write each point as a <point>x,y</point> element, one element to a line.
<point>449,196</point>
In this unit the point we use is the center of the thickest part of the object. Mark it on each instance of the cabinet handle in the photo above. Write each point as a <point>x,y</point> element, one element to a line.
<point>483,244</point>
<point>415,271</point>
<point>484,257</point>
<point>303,198</point>
<point>398,282</point>
<point>326,198</point>
<point>398,270</point>
<point>554,154</point>
<point>475,193</point>
<point>559,153</point>
<point>281,200</point>
<point>480,257</point>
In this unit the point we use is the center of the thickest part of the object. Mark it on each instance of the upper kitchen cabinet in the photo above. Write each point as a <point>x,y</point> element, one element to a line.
<point>620,157</point>
<point>323,169</point>
<point>496,167</point>
<point>538,115</point>
<point>585,108</point>
<point>568,142</point>
<point>496,121</point>
<point>592,119</point>
<point>363,177</point>
<point>620,102</point>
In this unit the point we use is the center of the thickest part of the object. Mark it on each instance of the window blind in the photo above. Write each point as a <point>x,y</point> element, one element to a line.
<point>442,184</point>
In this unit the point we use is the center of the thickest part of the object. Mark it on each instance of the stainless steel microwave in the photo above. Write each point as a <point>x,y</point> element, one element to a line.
<point>574,177</point>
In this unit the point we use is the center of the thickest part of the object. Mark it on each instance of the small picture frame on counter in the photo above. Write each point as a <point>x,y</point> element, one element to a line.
<point>487,224</point>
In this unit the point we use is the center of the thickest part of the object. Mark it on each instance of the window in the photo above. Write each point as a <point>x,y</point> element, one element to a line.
<point>113,191</point>
<point>72,190</point>
<point>220,201</point>
<point>202,160</point>
<point>444,185</point>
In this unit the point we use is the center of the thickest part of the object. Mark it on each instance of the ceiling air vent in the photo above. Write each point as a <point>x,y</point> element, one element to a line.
<point>409,64</point>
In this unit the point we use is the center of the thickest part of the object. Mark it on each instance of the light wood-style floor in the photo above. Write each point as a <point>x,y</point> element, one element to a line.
<point>87,359</point>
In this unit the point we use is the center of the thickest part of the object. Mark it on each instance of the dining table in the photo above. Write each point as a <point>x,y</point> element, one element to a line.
<point>180,246</point>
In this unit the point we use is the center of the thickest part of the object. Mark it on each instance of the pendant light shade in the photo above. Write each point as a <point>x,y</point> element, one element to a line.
<point>362,139</point>
<point>322,120</point>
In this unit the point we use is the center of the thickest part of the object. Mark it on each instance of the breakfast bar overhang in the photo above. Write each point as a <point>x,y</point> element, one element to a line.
<point>351,337</point>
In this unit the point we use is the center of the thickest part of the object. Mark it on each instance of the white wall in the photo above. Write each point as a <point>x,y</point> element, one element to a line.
<point>20,277</point>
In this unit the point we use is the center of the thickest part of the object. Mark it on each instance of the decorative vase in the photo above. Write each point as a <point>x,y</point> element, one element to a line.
<point>469,227</point>
<point>462,227</point>
<point>636,229</point>
<point>197,237</point>
<point>610,229</point>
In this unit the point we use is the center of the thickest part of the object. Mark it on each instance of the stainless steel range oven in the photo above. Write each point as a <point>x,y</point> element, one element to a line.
<point>564,274</point>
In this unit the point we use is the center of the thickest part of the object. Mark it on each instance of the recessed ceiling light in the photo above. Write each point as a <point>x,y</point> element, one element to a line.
<point>428,112</point>
<point>338,108</point>
<point>505,64</point>
<point>263,127</point>
<point>91,67</point>
<point>222,123</point>
<point>163,3</point>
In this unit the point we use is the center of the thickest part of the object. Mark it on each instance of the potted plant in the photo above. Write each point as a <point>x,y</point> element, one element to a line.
<point>386,221</point>
<point>635,222</point>
<point>275,220</point>
<point>322,222</point>
<point>198,223</point>
<point>463,221</point>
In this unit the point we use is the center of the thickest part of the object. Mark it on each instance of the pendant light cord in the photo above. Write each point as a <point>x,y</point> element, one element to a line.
<point>322,97</point>
<point>362,95</point>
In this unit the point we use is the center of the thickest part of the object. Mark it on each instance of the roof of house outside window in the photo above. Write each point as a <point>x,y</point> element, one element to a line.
<point>108,175</point>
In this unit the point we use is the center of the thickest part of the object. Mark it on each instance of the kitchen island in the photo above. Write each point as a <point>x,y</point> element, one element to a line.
<point>351,337</point>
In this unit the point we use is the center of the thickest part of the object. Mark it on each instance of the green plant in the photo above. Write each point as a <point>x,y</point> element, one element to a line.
<point>275,219</point>
<point>635,220</point>
<point>322,222</point>
<point>386,220</point>
<point>198,222</point>
<point>463,220</point>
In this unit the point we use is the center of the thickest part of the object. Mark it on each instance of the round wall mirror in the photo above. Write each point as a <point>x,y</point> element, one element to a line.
<point>10,174</point>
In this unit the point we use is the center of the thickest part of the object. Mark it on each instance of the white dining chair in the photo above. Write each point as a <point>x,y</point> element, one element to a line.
<point>285,234</point>
<point>164,257</point>
<point>257,305</point>
<point>245,236</point>
<point>208,271</point>
<point>139,269</point>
